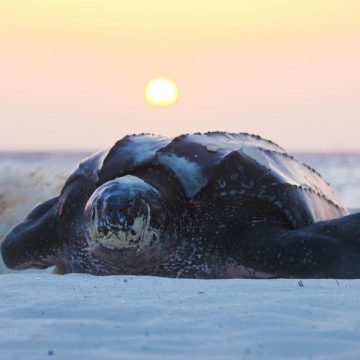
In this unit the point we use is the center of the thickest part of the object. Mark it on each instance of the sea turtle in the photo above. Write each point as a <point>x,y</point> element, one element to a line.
<point>213,205</point>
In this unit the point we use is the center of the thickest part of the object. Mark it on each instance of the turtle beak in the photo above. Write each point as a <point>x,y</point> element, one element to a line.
<point>33,242</point>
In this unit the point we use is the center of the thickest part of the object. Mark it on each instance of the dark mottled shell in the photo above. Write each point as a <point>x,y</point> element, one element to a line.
<point>220,164</point>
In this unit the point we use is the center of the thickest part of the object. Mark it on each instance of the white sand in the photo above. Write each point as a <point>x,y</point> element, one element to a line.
<point>45,316</point>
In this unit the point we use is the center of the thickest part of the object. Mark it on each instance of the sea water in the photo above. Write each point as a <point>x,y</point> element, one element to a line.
<point>29,178</point>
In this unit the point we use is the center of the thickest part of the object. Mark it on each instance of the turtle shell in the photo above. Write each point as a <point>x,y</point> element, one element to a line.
<point>219,164</point>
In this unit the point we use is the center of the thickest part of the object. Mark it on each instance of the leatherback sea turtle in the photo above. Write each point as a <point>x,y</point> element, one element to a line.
<point>214,205</point>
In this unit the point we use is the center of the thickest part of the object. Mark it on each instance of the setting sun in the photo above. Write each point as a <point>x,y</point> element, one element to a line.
<point>161,91</point>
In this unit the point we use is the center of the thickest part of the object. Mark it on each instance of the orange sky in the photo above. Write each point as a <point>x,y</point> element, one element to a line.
<point>72,72</point>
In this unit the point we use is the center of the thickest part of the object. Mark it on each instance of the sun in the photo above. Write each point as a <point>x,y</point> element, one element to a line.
<point>161,91</point>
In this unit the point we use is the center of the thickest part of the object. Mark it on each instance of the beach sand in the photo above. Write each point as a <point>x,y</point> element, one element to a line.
<point>119,317</point>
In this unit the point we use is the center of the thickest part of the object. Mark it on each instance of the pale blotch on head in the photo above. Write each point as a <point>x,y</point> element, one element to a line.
<point>134,228</point>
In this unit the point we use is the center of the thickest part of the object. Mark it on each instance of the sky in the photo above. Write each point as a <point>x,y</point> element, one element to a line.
<point>73,72</point>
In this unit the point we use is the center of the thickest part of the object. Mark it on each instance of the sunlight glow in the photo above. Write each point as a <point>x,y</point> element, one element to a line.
<point>161,91</point>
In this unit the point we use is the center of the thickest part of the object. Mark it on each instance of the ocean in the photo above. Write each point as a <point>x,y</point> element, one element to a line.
<point>29,178</point>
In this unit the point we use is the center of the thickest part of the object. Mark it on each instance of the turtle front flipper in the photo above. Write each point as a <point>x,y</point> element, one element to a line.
<point>50,231</point>
<point>326,249</point>
<point>33,242</point>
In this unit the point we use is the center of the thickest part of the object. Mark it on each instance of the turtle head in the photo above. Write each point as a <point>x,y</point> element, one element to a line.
<point>126,214</point>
